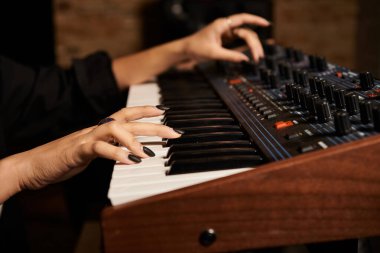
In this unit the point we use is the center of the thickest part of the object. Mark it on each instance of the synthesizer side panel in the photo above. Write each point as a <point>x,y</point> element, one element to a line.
<point>291,103</point>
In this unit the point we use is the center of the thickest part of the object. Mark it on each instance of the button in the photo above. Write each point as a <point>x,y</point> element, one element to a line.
<point>293,136</point>
<point>271,116</point>
<point>235,81</point>
<point>283,124</point>
<point>267,112</point>
<point>306,149</point>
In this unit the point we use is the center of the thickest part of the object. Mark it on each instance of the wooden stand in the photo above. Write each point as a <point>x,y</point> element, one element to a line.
<point>321,196</point>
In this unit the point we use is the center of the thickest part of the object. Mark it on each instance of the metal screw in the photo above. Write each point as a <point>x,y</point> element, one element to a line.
<point>207,237</point>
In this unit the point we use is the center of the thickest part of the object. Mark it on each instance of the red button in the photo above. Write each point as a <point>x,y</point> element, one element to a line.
<point>283,124</point>
<point>235,81</point>
<point>339,74</point>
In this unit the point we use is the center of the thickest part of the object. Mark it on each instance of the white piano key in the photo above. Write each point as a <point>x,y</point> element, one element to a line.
<point>149,139</point>
<point>131,193</point>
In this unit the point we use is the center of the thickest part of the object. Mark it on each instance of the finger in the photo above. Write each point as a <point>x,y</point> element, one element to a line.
<point>253,42</point>
<point>246,18</point>
<point>138,112</point>
<point>108,151</point>
<point>151,129</point>
<point>220,53</point>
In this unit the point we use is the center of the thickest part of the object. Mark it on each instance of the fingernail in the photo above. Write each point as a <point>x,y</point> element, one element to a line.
<point>162,107</point>
<point>148,151</point>
<point>178,131</point>
<point>134,158</point>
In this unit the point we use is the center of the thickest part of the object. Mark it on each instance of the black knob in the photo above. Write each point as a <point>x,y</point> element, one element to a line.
<point>311,101</point>
<point>312,62</point>
<point>366,81</point>
<point>323,111</point>
<point>329,92</point>
<point>303,99</point>
<point>352,103</point>
<point>321,83</point>
<point>376,117</point>
<point>365,111</point>
<point>289,91</point>
<point>273,81</point>
<point>342,123</point>
<point>295,75</point>
<point>289,52</point>
<point>207,237</point>
<point>270,50</point>
<point>302,78</point>
<point>321,64</point>
<point>313,85</point>
<point>298,55</point>
<point>271,63</point>
<point>339,98</point>
<point>296,94</point>
<point>249,67</point>
<point>264,75</point>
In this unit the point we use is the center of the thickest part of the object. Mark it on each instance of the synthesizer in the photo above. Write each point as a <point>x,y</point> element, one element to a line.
<point>293,138</point>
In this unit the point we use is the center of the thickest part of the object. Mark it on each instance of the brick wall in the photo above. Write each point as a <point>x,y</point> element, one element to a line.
<point>323,27</point>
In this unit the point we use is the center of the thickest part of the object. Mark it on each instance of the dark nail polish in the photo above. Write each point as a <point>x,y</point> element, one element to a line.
<point>162,107</point>
<point>179,131</point>
<point>148,151</point>
<point>134,158</point>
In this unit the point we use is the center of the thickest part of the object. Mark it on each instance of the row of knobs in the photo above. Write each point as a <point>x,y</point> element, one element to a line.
<point>318,101</point>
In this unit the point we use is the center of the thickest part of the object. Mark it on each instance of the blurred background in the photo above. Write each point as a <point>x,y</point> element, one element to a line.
<point>46,32</point>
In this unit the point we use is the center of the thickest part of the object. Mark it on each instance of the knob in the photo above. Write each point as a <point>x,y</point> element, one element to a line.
<point>303,99</point>
<point>321,64</point>
<point>352,103</point>
<point>264,75</point>
<point>296,94</point>
<point>313,85</point>
<point>289,52</point>
<point>376,117</point>
<point>329,92</point>
<point>302,78</point>
<point>366,81</point>
<point>284,71</point>
<point>311,100</point>
<point>249,67</point>
<point>270,49</point>
<point>289,91</point>
<point>321,87</point>
<point>365,111</point>
<point>339,98</point>
<point>323,111</point>
<point>312,62</point>
<point>298,55</point>
<point>342,123</point>
<point>295,75</point>
<point>270,63</point>
<point>273,81</point>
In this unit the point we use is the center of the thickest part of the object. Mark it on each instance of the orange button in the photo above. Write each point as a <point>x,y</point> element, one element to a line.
<point>283,124</point>
<point>235,81</point>
<point>339,74</point>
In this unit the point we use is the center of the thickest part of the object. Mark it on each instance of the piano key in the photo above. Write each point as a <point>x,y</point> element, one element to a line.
<point>206,137</point>
<point>214,163</point>
<point>208,145</point>
<point>201,122</point>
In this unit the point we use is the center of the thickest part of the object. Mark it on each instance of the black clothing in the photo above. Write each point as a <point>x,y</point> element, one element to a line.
<point>38,105</point>
<point>41,104</point>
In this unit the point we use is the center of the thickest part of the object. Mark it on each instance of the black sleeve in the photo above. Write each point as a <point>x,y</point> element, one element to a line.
<point>40,104</point>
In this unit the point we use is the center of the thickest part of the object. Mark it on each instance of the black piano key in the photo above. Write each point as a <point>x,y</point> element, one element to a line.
<point>196,106</point>
<point>209,145</point>
<point>194,111</point>
<point>206,137</point>
<point>196,116</point>
<point>191,101</point>
<point>201,122</point>
<point>214,163</point>
<point>214,152</point>
<point>210,129</point>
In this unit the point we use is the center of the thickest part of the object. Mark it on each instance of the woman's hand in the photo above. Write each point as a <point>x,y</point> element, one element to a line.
<point>68,156</point>
<point>208,42</point>
<point>204,44</point>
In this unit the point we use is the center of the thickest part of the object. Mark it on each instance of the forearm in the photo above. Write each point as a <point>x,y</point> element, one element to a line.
<point>142,66</point>
<point>9,177</point>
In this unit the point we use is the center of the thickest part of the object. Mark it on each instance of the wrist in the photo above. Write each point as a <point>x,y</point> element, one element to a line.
<point>10,177</point>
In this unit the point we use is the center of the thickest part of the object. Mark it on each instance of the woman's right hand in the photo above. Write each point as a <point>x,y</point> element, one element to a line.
<point>63,158</point>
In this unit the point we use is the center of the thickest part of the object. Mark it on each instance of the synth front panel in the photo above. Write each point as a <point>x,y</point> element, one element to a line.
<point>288,104</point>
